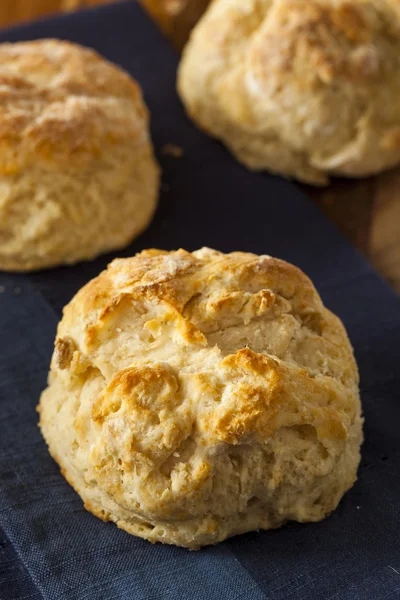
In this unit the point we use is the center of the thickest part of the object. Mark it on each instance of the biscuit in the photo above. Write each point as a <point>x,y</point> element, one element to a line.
<point>195,396</point>
<point>77,171</point>
<point>304,88</point>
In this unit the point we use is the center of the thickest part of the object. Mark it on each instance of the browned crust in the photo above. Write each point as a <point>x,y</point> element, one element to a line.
<point>62,102</point>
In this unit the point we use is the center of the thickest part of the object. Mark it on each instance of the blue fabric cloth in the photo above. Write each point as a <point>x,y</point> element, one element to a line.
<point>50,547</point>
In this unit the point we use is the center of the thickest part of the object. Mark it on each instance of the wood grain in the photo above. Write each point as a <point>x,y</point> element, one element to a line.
<point>366,211</point>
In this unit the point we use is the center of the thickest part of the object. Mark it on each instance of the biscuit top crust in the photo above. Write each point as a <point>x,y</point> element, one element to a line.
<point>63,104</point>
<point>233,346</point>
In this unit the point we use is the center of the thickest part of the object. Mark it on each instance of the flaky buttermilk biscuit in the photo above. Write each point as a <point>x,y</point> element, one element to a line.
<point>77,172</point>
<point>195,396</point>
<point>305,88</point>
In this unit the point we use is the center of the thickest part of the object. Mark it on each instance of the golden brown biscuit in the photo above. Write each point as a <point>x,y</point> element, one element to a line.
<point>195,396</point>
<point>304,88</point>
<point>77,171</point>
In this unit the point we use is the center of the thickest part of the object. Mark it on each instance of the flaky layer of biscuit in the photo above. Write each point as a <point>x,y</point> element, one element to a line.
<point>193,396</point>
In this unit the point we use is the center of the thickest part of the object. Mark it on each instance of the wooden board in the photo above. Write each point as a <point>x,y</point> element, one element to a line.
<point>367,211</point>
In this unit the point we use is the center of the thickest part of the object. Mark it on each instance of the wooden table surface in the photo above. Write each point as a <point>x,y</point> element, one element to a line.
<point>367,211</point>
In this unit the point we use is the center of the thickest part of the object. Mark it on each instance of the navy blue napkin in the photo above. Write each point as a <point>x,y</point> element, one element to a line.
<point>50,547</point>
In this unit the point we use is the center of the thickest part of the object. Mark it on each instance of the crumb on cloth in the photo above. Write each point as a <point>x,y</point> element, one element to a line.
<point>172,150</point>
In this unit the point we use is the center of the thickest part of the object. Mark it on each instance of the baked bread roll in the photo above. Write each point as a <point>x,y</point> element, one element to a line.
<point>195,396</point>
<point>77,171</point>
<point>304,88</point>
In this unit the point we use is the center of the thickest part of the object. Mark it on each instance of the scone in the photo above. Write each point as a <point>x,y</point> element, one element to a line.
<point>195,396</point>
<point>77,171</point>
<point>304,88</point>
